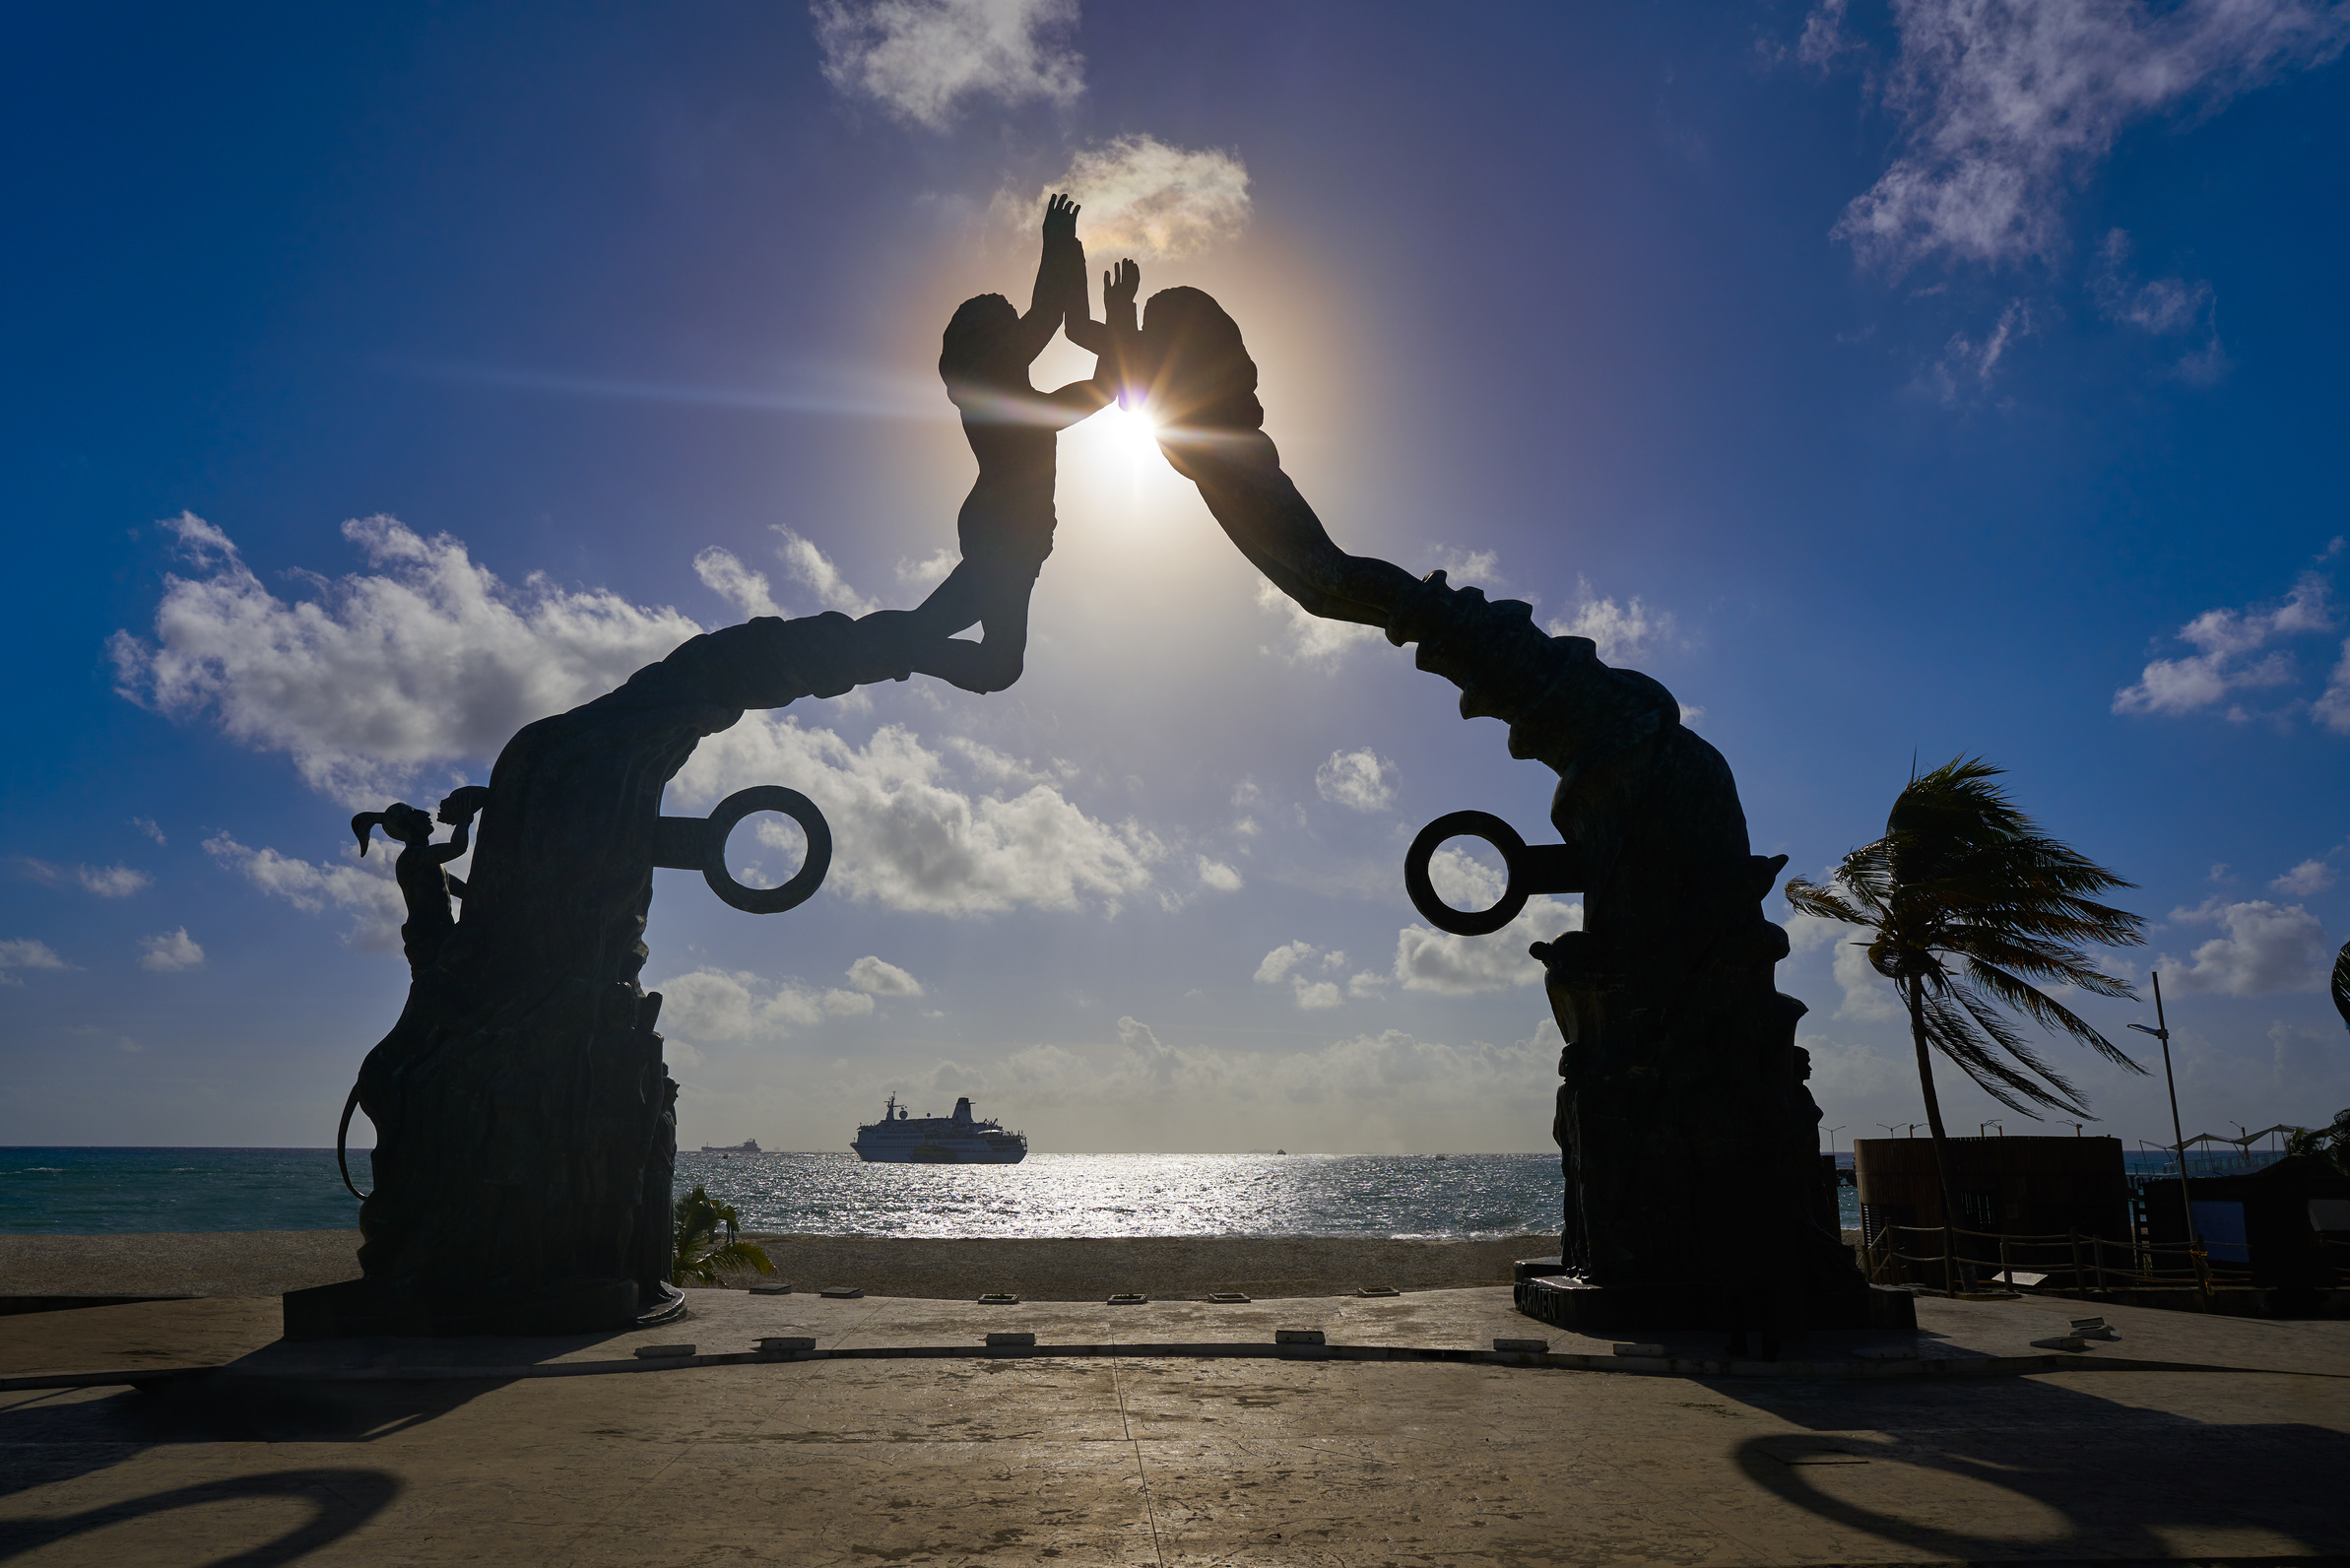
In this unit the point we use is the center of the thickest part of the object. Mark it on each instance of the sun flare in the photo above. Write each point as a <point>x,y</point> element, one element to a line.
<point>1128,432</point>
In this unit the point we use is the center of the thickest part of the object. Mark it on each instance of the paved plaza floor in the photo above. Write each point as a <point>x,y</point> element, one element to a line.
<point>414,1451</point>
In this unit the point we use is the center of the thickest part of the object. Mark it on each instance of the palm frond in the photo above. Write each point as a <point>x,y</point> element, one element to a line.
<point>2047,1012</point>
<point>2342,984</point>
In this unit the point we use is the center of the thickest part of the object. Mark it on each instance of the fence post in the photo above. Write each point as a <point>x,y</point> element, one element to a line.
<point>2097,1253</point>
<point>2078,1282</point>
<point>2006,1265</point>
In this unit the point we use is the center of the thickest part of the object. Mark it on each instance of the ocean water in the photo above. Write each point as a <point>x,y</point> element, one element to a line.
<point>87,1191</point>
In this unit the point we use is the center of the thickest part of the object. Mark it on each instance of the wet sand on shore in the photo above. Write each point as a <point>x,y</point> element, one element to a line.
<point>256,1263</point>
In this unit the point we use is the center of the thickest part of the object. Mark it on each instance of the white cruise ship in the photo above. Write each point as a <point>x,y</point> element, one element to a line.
<point>899,1138</point>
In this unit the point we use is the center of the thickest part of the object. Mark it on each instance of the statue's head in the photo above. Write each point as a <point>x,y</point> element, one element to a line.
<point>978,333</point>
<point>399,821</point>
<point>1195,370</point>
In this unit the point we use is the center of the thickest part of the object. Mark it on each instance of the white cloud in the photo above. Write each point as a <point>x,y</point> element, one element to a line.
<point>2228,639</point>
<point>2163,306</point>
<point>1621,631</point>
<point>1141,197</point>
<point>1312,640</point>
<point>363,887</point>
<point>1293,961</point>
<point>847,1004</point>
<point>426,660</point>
<point>1483,567</point>
<point>928,571</point>
<point>722,573</point>
<point>2010,106</point>
<point>23,953</point>
<point>2303,881</point>
<point>171,952</point>
<point>879,978</point>
<point>146,824</point>
<point>921,59</point>
<point>815,570</point>
<point>2332,707</point>
<point>1427,960</point>
<point>2267,947</point>
<point>1358,780</point>
<point>1218,876</point>
<point>107,881</point>
<point>907,837</point>
<point>711,1005</point>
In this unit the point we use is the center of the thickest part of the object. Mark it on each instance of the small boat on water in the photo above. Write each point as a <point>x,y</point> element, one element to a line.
<point>749,1146</point>
<point>901,1139</point>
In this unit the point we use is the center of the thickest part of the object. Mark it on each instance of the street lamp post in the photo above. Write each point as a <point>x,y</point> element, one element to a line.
<point>2194,1240</point>
<point>1831,1132</point>
<point>1979,1125</point>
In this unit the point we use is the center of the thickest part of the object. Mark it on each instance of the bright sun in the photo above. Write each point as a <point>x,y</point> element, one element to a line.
<point>1129,432</point>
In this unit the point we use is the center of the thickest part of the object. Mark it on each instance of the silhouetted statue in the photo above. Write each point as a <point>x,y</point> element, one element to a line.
<point>1687,1136</point>
<point>1006,526</point>
<point>525,1123</point>
<point>425,884</point>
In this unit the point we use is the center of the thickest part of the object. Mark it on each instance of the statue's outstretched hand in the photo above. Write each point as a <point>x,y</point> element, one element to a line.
<point>1061,220</point>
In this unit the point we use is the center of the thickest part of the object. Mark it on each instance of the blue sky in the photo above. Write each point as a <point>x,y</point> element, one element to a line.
<point>1890,383</point>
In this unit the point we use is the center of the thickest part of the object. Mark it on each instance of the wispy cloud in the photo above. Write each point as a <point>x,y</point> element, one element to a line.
<point>2010,104</point>
<point>1142,197</point>
<point>107,881</point>
<point>1427,960</point>
<point>24,952</point>
<point>2164,307</point>
<point>362,889</point>
<point>1310,639</point>
<point>923,60</point>
<point>2235,655</point>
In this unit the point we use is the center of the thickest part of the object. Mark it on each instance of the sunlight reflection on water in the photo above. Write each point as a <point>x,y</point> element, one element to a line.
<point>1140,1194</point>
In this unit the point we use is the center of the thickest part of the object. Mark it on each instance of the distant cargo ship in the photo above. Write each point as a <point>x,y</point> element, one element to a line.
<point>749,1146</point>
<point>899,1138</point>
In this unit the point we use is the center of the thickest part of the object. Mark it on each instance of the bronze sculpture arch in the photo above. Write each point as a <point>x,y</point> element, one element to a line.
<point>525,1119</point>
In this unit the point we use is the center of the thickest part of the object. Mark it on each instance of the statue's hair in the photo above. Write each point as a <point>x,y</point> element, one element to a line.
<point>1198,372</point>
<point>364,823</point>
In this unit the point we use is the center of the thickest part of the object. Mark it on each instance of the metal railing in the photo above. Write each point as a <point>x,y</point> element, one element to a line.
<point>2084,1258</point>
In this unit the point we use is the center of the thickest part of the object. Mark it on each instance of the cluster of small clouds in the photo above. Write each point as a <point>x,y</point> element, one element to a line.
<point>107,881</point>
<point>927,62</point>
<point>1429,960</point>
<point>2236,655</point>
<point>2160,307</point>
<point>1968,364</point>
<point>2008,106</point>
<point>713,1006</point>
<point>910,839</point>
<point>428,659</point>
<point>750,592</point>
<point>923,60</point>
<point>166,953</point>
<point>362,889</point>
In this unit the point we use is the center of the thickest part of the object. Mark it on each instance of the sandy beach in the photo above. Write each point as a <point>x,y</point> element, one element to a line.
<point>256,1263</point>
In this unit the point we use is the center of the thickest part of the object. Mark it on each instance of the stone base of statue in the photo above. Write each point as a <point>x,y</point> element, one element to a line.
<point>355,1308</point>
<point>1565,1301</point>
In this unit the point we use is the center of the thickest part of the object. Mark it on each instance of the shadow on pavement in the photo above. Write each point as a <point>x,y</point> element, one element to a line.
<point>342,1499</point>
<point>2126,1481</point>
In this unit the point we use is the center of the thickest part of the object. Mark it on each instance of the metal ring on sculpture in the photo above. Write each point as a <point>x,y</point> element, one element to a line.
<point>1466,824</point>
<point>811,876</point>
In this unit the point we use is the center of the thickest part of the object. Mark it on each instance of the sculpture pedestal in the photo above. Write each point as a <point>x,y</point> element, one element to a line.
<point>353,1308</point>
<point>1564,1301</point>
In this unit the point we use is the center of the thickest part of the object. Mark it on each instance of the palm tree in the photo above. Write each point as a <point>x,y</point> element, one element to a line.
<point>696,1257</point>
<point>1970,908</point>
